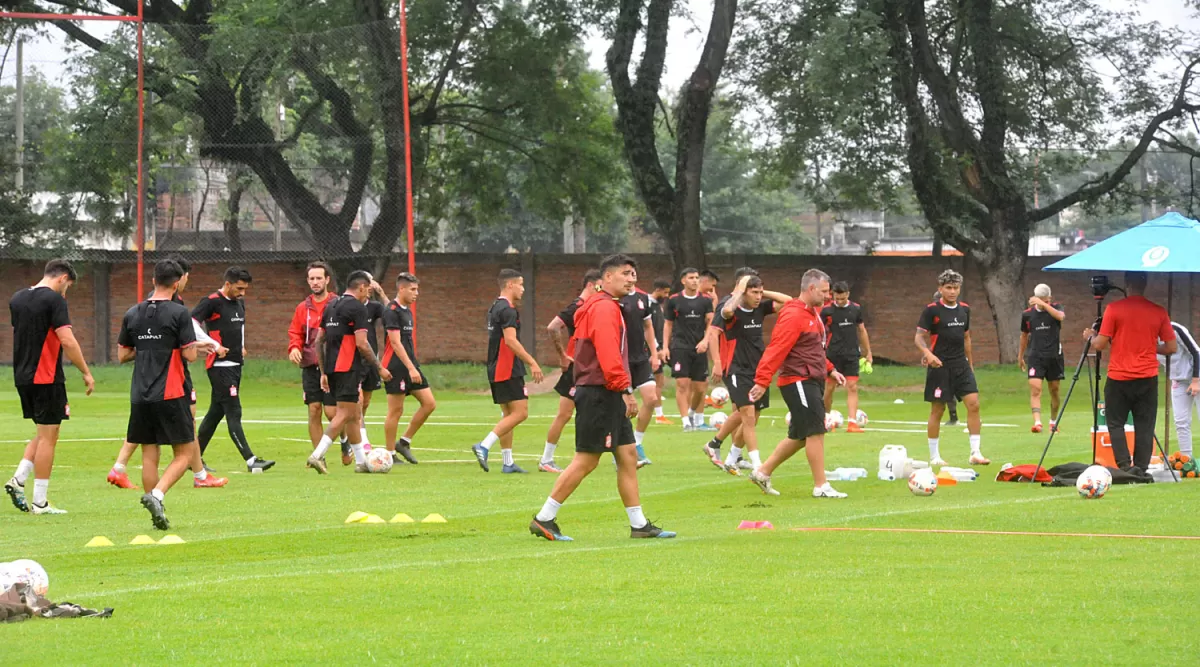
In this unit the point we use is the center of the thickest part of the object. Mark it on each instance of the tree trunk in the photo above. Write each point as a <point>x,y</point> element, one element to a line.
<point>238,184</point>
<point>1003,273</point>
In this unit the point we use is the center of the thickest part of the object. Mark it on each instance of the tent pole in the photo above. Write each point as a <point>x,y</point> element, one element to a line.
<point>1167,425</point>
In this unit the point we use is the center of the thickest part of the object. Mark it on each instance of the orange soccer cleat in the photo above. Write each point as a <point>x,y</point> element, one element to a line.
<point>210,482</point>
<point>120,480</point>
<point>853,427</point>
<point>663,420</point>
<point>1037,428</point>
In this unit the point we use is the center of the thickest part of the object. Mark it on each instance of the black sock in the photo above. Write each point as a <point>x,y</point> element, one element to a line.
<point>404,441</point>
<point>715,443</point>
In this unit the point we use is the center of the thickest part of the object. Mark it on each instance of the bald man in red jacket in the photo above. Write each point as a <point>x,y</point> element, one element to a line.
<point>797,353</point>
<point>603,404</point>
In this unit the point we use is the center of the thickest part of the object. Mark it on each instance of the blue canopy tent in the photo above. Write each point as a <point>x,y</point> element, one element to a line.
<point>1169,244</point>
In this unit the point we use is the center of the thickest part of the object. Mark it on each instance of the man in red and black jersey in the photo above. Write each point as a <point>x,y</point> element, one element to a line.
<point>41,334</point>
<point>688,315</point>
<point>797,353</point>
<point>342,352</point>
<point>640,340</point>
<point>604,403</point>
<point>562,332</point>
<point>848,342</point>
<point>662,290</point>
<point>944,339</point>
<point>158,337</point>
<point>302,351</point>
<point>223,314</point>
<point>371,381</point>
<point>1041,354</point>
<point>741,318</point>
<point>506,364</point>
<point>400,358</point>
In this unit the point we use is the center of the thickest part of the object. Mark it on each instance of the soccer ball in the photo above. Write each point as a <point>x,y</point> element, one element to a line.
<point>379,460</point>
<point>716,419</point>
<point>922,482</point>
<point>861,418</point>
<point>26,572</point>
<point>787,419</point>
<point>719,396</point>
<point>838,419</point>
<point>1094,482</point>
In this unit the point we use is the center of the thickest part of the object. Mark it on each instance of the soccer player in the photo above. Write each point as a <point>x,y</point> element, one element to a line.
<point>302,351</point>
<point>639,333</point>
<point>158,337</point>
<point>742,315</point>
<point>202,475</point>
<point>41,334</point>
<point>662,290</point>
<point>507,360</point>
<point>709,282</point>
<point>944,339</point>
<point>1041,355</point>
<point>797,353</point>
<point>400,358</point>
<point>848,342</point>
<point>951,404</point>
<point>562,332</point>
<point>688,315</point>
<point>342,350</point>
<point>370,380</point>
<point>604,401</point>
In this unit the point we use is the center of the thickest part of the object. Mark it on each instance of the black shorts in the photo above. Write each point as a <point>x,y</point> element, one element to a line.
<point>161,423</point>
<point>688,363</point>
<point>343,387</point>
<point>806,402</point>
<point>954,378</point>
<point>565,386</point>
<point>600,422</point>
<point>189,389</point>
<point>401,382</point>
<point>739,387</point>
<point>44,404</point>
<point>371,380</point>
<point>640,373</point>
<point>512,389</point>
<point>226,383</point>
<point>310,379</point>
<point>1047,368</point>
<point>847,366</point>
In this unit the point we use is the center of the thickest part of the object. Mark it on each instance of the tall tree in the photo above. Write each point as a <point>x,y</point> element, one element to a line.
<point>956,94</point>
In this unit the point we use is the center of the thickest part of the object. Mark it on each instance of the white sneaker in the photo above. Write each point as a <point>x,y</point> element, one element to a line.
<point>743,464</point>
<point>763,482</point>
<point>977,459</point>
<point>939,461</point>
<point>45,509</point>
<point>827,491</point>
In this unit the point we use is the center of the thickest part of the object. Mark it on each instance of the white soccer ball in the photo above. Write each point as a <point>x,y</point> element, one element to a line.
<point>379,460</point>
<point>861,418</point>
<point>717,418</point>
<point>838,419</point>
<point>26,572</point>
<point>1094,482</point>
<point>788,419</point>
<point>719,396</point>
<point>922,482</point>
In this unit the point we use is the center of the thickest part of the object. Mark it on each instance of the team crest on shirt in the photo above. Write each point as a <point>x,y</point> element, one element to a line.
<point>608,441</point>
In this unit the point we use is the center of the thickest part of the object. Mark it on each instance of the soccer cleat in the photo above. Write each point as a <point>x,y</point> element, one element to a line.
<point>853,427</point>
<point>210,482</point>
<point>318,465</point>
<point>642,463</point>
<point>977,459</point>
<point>743,464</point>
<point>827,491</point>
<point>952,422</point>
<point>1037,428</point>
<point>548,530</point>
<point>938,462</point>
<point>650,530</point>
<point>713,454</point>
<point>663,421</point>
<point>397,460</point>
<point>260,464</point>
<point>549,466</point>
<point>206,468</point>
<point>405,451</point>
<point>706,427</point>
<point>513,469</point>
<point>688,428</point>
<point>45,509</point>
<point>16,492</point>
<point>1053,427</point>
<point>732,469</point>
<point>347,453</point>
<point>158,513</point>
<point>481,455</point>
<point>763,482</point>
<point>120,480</point>
<point>361,468</point>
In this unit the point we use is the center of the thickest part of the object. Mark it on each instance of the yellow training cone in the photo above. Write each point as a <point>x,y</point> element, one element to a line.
<point>434,518</point>
<point>373,518</point>
<point>356,517</point>
<point>99,541</point>
<point>401,518</point>
<point>171,539</point>
<point>143,539</point>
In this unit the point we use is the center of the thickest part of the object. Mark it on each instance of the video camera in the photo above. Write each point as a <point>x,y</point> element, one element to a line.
<point>1101,286</point>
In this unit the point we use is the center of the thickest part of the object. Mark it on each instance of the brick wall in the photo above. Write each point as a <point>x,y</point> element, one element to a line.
<point>456,290</point>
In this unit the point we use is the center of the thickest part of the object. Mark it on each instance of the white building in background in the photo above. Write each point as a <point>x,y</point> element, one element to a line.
<point>41,202</point>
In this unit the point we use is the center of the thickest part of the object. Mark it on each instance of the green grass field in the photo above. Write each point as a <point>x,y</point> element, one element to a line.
<point>270,574</point>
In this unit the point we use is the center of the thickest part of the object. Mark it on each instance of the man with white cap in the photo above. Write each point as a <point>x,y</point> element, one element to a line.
<point>1185,385</point>
<point>1041,355</point>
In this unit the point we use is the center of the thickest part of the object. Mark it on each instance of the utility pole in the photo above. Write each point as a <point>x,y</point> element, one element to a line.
<point>20,115</point>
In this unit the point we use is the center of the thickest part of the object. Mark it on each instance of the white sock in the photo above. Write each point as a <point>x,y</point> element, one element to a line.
<point>250,461</point>
<point>636,518</point>
<point>933,450</point>
<point>974,444</point>
<point>658,411</point>
<point>638,436</point>
<point>549,510</point>
<point>548,454</point>
<point>360,454</point>
<point>40,488</point>
<point>490,440</point>
<point>755,459</point>
<point>202,475</point>
<point>508,458</point>
<point>158,494</point>
<point>365,439</point>
<point>690,420</point>
<point>735,453</point>
<point>322,447</point>
<point>23,469</point>
<point>118,467</point>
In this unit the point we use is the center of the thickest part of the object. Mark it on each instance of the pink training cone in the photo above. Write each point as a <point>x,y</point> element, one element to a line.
<point>755,525</point>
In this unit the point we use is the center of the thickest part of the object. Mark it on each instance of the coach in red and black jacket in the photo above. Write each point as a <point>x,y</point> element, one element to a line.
<point>797,353</point>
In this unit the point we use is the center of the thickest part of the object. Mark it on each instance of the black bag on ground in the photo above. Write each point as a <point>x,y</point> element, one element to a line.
<point>1067,474</point>
<point>20,603</point>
